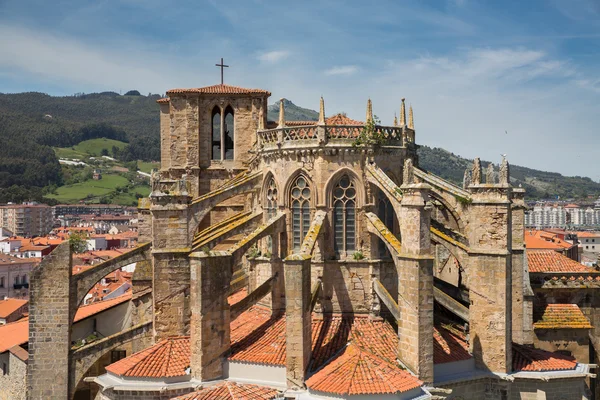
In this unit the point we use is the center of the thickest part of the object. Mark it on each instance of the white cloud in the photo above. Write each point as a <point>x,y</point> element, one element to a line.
<point>342,70</point>
<point>273,56</point>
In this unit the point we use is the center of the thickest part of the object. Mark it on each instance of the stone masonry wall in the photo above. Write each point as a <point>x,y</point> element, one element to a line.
<point>12,385</point>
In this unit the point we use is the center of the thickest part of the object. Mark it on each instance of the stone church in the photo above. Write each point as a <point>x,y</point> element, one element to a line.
<point>306,260</point>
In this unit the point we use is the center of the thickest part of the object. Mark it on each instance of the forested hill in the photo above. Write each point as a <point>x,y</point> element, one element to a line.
<point>32,123</point>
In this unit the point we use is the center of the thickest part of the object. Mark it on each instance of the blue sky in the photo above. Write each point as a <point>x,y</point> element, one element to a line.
<point>472,70</point>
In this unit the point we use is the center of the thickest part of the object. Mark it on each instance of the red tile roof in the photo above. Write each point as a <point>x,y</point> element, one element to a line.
<point>99,306</point>
<point>357,371</point>
<point>219,89</point>
<point>237,296</point>
<point>19,352</point>
<point>14,334</point>
<point>551,261</point>
<point>163,100</point>
<point>544,240</point>
<point>449,345</point>
<point>168,358</point>
<point>9,306</point>
<point>561,316</point>
<point>231,391</point>
<point>341,119</point>
<point>587,234</point>
<point>535,360</point>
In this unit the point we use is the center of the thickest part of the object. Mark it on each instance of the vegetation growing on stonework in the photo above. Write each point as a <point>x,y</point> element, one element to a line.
<point>358,255</point>
<point>370,136</point>
<point>253,252</point>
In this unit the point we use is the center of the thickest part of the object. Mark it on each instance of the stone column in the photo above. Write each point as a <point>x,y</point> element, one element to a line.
<point>490,279</point>
<point>171,243</point>
<point>298,319</point>
<point>210,323</point>
<point>278,287</point>
<point>522,294</point>
<point>415,282</point>
<point>51,310</point>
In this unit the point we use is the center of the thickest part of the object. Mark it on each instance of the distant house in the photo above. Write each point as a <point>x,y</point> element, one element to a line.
<point>97,174</point>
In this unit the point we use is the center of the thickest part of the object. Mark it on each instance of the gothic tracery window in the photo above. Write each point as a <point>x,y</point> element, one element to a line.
<point>271,198</point>
<point>300,201</point>
<point>344,216</point>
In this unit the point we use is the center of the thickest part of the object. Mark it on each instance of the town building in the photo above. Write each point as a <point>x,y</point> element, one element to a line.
<point>306,260</point>
<point>559,215</point>
<point>15,274</point>
<point>27,220</point>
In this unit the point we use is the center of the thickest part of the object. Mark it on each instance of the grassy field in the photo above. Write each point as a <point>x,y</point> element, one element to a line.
<point>87,148</point>
<point>79,191</point>
<point>145,166</point>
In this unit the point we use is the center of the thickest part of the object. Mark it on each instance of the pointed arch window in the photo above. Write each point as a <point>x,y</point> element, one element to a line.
<point>344,216</point>
<point>386,214</point>
<point>222,135</point>
<point>300,201</point>
<point>271,198</point>
<point>216,134</point>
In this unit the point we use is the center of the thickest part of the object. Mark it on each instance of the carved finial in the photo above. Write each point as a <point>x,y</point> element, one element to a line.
<point>408,176</point>
<point>395,120</point>
<point>322,112</point>
<point>467,178</point>
<point>281,114</point>
<point>154,180</point>
<point>369,111</point>
<point>476,172</point>
<point>489,174</point>
<point>411,123</point>
<point>403,113</point>
<point>504,171</point>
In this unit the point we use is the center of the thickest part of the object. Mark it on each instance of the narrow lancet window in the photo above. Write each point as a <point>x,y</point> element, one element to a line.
<point>271,200</point>
<point>216,134</point>
<point>300,200</point>
<point>228,132</point>
<point>344,216</point>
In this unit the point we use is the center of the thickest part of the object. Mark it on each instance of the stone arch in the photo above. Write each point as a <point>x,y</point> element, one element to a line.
<point>314,195</point>
<point>333,180</point>
<point>451,209</point>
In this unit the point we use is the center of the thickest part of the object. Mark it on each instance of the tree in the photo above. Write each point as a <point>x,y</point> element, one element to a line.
<point>104,152</point>
<point>78,242</point>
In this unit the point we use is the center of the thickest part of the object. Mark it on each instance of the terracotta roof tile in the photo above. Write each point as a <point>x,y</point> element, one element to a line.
<point>560,316</point>
<point>544,240</point>
<point>341,119</point>
<point>14,334</point>
<point>449,346</point>
<point>99,306</point>
<point>9,306</point>
<point>237,296</point>
<point>219,89</point>
<point>164,100</point>
<point>357,371</point>
<point>19,352</point>
<point>231,391</point>
<point>535,360</point>
<point>168,358</point>
<point>551,261</point>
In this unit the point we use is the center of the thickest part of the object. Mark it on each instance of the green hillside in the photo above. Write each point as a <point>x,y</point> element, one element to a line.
<point>292,112</point>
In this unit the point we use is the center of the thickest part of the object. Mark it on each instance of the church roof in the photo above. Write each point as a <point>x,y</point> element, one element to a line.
<point>534,360</point>
<point>231,391</point>
<point>341,119</point>
<point>560,316</point>
<point>219,89</point>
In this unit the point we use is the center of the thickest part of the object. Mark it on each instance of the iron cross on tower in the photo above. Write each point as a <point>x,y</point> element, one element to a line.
<point>222,66</point>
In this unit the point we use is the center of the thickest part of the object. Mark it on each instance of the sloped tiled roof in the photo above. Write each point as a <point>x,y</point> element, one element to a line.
<point>168,358</point>
<point>14,334</point>
<point>551,261</point>
<point>9,306</point>
<point>546,241</point>
<point>449,346</point>
<point>219,89</point>
<point>534,360</point>
<point>237,296</point>
<point>164,100</point>
<point>341,119</point>
<point>19,352</point>
<point>94,308</point>
<point>357,371</point>
<point>231,391</point>
<point>561,316</point>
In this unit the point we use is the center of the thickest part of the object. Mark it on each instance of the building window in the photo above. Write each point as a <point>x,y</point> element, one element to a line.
<point>228,131</point>
<point>24,279</point>
<point>386,214</point>
<point>17,280</point>
<point>344,216</point>
<point>2,282</point>
<point>300,200</point>
<point>117,355</point>
<point>271,200</point>
<point>216,134</point>
<point>4,369</point>
<point>222,134</point>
